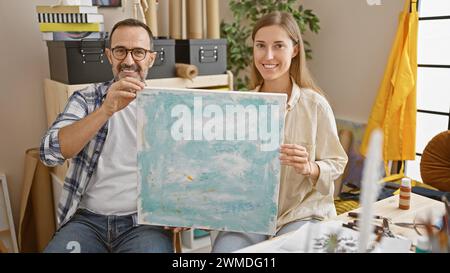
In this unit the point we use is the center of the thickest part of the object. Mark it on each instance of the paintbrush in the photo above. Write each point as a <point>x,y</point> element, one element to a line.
<point>370,188</point>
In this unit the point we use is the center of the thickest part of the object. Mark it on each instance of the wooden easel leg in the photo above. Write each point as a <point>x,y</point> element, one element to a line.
<point>176,238</point>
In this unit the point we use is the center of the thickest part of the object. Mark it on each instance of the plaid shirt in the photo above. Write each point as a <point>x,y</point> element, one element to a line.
<point>82,166</point>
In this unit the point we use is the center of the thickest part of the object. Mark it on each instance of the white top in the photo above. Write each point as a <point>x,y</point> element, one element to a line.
<point>112,189</point>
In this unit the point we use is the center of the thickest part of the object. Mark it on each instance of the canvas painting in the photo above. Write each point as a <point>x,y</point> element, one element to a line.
<point>209,159</point>
<point>355,165</point>
<point>8,240</point>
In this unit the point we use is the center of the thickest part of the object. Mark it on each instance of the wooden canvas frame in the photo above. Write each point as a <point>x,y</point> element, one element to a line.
<point>226,178</point>
<point>7,231</point>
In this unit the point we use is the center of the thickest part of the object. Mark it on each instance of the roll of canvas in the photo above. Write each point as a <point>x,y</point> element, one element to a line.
<point>151,17</point>
<point>163,18</point>
<point>194,19</point>
<point>175,17</point>
<point>187,71</point>
<point>213,21</point>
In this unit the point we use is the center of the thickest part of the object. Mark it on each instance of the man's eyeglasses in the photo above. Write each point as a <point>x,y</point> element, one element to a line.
<point>138,54</point>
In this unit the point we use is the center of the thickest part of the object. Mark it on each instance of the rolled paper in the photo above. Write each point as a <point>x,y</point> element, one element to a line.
<point>151,17</point>
<point>175,27</point>
<point>184,20</point>
<point>143,7</point>
<point>213,21</point>
<point>195,19</point>
<point>135,10</point>
<point>163,18</point>
<point>187,71</point>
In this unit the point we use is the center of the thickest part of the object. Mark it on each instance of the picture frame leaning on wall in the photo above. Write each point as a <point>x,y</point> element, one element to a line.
<point>8,239</point>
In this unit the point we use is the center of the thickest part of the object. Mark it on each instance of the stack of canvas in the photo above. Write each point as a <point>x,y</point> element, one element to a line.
<point>70,22</point>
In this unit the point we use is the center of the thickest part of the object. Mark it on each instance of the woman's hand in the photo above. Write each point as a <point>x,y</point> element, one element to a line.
<point>296,156</point>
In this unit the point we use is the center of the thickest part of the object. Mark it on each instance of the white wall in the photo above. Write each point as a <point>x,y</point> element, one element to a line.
<point>351,51</point>
<point>23,67</point>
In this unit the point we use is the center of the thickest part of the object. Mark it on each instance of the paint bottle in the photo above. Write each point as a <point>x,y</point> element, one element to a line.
<point>404,200</point>
<point>423,245</point>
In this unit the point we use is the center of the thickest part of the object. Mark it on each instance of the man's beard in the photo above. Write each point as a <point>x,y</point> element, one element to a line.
<point>132,67</point>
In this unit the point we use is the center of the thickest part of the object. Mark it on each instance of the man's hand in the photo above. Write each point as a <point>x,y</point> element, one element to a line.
<point>177,229</point>
<point>120,94</point>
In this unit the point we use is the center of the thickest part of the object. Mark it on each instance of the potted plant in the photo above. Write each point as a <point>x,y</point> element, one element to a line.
<point>245,14</point>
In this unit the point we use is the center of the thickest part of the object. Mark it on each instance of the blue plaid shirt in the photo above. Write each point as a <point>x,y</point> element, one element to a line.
<point>83,165</point>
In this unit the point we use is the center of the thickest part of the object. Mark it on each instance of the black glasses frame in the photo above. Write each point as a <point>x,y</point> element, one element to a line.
<point>131,51</point>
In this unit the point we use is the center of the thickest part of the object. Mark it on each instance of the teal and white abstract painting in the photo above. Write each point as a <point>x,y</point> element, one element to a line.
<point>209,159</point>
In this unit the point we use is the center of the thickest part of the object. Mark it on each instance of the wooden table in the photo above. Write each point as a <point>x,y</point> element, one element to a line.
<point>421,208</point>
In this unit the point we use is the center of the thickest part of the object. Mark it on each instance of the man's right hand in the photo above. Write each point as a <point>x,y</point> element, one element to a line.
<point>120,94</point>
<point>75,136</point>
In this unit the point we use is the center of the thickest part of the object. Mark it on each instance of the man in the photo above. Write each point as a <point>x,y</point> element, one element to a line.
<point>97,131</point>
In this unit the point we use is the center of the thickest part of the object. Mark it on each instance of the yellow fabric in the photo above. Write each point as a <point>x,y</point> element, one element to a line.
<point>342,206</point>
<point>394,110</point>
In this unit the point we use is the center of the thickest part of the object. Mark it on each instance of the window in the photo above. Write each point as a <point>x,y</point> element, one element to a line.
<point>433,77</point>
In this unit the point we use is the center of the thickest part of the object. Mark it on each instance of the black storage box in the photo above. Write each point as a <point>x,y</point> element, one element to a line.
<point>209,55</point>
<point>164,65</point>
<point>85,61</point>
<point>79,62</point>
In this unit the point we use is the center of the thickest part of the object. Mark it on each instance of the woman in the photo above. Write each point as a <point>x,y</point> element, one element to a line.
<point>312,156</point>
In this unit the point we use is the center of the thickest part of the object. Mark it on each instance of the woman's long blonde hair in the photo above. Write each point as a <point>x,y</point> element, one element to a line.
<point>299,70</point>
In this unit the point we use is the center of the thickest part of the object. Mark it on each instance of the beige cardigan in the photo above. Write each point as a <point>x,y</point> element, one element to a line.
<point>310,122</point>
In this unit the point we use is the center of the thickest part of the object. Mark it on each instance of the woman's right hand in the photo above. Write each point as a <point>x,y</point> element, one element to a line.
<point>120,94</point>
<point>296,156</point>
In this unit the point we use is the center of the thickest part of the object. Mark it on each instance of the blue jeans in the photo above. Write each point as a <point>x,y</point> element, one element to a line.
<point>88,232</point>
